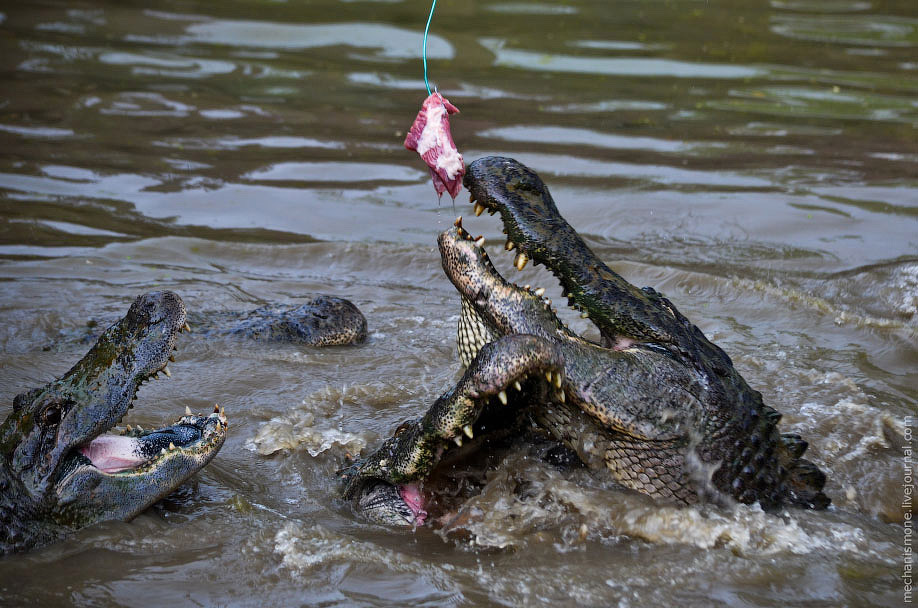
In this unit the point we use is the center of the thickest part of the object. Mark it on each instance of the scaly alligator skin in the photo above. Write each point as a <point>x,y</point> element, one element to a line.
<point>320,321</point>
<point>657,405</point>
<point>60,472</point>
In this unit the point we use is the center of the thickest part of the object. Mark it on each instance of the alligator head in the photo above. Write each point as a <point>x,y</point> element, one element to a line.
<point>655,404</point>
<point>61,471</point>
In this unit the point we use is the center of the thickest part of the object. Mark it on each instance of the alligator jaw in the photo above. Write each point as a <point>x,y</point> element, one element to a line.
<point>62,471</point>
<point>479,402</point>
<point>135,451</point>
<point>492,306</point>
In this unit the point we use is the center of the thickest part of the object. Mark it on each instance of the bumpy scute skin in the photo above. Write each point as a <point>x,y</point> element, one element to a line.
<point>657,405</point>
<point>321,321</point>
<point>47,487</point>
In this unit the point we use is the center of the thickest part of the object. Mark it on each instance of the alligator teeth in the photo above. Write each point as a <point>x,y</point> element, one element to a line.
<point>479,209</point>
<point>162,452</point>
<point>187,411</point>
<point>139,429</point>
<point>186,327</point>
<point>172,358</point>
<point>171,446</point>
<point>520,261</point>
<point>216,409</point>
<point>548,376</point>
<point>467,429</point>
<point>384,463</point>
<point>547,302</point>
<point>129,429</point>
<point>540,291</point>
<point>517,385</point>
<point>166,371</point>
<point>526,287</point>
<point>503,397</point>
<point>458,440</point>
<point>480,241</point>
<point>509,245</point>
<point>561,396</point>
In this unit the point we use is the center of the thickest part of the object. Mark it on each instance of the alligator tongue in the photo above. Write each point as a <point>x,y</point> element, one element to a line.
<point>115,453</point>
<point>411,494</point>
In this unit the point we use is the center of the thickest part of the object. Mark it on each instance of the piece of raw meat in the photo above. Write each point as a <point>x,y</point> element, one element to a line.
<point>429,136</point>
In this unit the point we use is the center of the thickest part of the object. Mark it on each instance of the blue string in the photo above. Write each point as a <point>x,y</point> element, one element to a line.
<point>424,45</point>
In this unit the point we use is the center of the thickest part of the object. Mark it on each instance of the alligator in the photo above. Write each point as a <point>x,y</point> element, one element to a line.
<point>60,470</point>
<point>654,404</point>
<point>319,321</point>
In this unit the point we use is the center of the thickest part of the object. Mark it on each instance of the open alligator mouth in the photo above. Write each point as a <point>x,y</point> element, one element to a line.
<point>386,486</point>
<point>136,451</point>
<point>64,466</point>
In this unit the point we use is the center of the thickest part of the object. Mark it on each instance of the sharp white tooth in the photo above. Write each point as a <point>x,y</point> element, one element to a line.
<point>129,429</point>
<point>526,286</point>
<point>517,385</point>
<point>171,446</point>
<point>458,440</point>
<point>384,462</point>
<point>139,429</point>
<point>167,372</point>
<point>479,209</point>
<point>561,397</point>
<point>503,397</point>
<point>548,376</point>
<point>467,429</point>
<point>558,380</point>
<point>509,245</point>
<point>540,291</point>
<point>163,452</point>
<point>521,260</point>
<point>187,411</point>
<point>548,302</point>
<point>186,327</point>
<point>480,242</point>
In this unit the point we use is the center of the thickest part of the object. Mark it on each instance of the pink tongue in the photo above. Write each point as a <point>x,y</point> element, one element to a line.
<point>412,496</point>
<point>113,453</point>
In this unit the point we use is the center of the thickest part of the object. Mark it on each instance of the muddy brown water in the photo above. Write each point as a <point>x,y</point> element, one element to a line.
<point>755,161</point>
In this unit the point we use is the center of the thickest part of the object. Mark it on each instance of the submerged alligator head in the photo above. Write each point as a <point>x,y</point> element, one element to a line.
<point>655,404</point>
<point>60,471</point>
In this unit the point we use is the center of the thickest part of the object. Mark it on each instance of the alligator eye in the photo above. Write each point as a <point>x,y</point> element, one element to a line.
<point>52,415</point>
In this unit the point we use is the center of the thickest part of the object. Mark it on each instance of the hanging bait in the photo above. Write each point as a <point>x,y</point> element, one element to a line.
<point>430,137</point>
